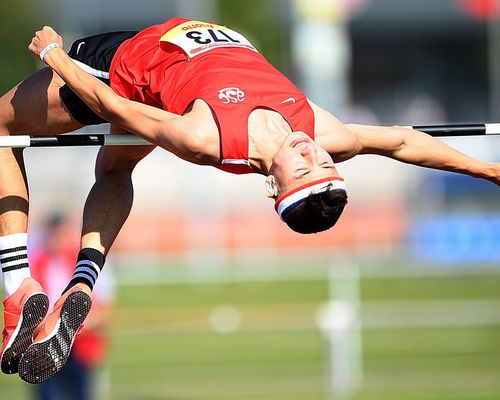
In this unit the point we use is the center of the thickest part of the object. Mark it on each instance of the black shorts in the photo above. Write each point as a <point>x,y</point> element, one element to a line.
<point>94,55</point>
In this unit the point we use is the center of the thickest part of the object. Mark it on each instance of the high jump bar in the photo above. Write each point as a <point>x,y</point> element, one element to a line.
<point>77,139</point>
<point>105,139</point>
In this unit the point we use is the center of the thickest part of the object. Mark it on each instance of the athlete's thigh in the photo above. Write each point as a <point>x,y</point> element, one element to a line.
<point>34,107</point>
<point>120,157</point>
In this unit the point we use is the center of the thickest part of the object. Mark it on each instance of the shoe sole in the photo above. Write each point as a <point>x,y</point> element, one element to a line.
<point>42,360</point>
<point>34,310</point>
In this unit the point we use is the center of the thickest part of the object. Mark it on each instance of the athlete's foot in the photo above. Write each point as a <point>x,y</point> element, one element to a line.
<point>24,310</point>
<point>52,345</point>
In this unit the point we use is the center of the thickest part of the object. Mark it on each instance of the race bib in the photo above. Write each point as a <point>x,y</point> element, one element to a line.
<point>196,37</point>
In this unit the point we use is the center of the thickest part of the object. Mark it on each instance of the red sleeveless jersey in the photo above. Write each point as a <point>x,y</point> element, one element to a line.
<point>172,64</point>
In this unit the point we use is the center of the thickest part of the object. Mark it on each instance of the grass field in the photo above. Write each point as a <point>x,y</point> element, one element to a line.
<point>268,347</point>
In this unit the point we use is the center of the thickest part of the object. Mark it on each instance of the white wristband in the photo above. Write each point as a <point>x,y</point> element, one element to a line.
<point>47,49</point>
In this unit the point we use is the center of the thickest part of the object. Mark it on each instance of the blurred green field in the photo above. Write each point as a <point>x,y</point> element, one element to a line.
<point>164,345</point>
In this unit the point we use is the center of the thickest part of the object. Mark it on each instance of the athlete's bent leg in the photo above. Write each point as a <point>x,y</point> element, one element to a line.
<point>107,207</point>
<point>110,199</point>
<point>32,107</point>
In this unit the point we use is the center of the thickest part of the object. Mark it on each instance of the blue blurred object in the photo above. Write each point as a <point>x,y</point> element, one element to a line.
<point>457,239</point>
<point>463,185</point>
<point>457,188</point>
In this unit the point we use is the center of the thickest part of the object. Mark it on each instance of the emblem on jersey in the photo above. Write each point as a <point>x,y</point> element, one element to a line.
<point>196,37</point>
<point>231,95</point>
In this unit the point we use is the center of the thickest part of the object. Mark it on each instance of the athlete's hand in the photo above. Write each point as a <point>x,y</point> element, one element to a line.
<point>42,39</point>
<point>494,173</point>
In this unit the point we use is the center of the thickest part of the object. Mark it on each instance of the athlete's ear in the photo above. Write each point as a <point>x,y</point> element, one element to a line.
<point>271,188</point>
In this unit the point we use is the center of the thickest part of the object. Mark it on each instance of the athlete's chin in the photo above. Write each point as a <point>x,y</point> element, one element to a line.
<point>295,138</point>
<point>299,134</point>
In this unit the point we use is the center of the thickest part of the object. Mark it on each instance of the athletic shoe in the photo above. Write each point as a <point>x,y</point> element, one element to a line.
<point>52,345</point>
<point>24,310</point>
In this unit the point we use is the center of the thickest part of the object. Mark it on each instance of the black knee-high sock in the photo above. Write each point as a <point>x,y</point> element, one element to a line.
<point>88,266</point>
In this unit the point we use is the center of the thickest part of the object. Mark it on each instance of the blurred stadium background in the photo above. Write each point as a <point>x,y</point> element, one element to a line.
<point>216,299</point>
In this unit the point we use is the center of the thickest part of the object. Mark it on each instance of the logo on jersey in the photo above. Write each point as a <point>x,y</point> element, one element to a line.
<point>231,95</point>
<point>289,100</point>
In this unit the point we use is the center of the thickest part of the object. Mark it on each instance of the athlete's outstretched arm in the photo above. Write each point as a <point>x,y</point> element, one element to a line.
<point>344,141</point>
<point>155,125</point>
<point>418,148</point>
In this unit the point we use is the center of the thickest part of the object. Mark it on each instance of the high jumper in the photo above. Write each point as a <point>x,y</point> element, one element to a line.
<point>202,92</point>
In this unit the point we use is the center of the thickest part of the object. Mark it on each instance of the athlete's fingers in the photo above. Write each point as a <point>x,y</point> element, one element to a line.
<point>42,39</point>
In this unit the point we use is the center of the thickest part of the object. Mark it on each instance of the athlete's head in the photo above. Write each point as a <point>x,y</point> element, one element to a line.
<point>310,195</point>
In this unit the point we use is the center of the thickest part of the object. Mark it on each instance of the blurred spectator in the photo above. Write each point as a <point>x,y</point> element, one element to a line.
<point>52,260</point>
<point>423,109</point>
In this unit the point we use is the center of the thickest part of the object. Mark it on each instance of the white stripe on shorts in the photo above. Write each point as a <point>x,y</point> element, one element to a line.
<point>92,71</point>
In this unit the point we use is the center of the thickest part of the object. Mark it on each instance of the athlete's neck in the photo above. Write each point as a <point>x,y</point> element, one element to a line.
<point>266,131</point>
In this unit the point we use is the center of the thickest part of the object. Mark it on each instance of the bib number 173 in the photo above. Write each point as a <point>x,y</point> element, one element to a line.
<point>195,37</point>
<point>218,36</point>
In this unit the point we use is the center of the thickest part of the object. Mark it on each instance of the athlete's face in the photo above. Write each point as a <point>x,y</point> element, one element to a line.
<point>298,161</point>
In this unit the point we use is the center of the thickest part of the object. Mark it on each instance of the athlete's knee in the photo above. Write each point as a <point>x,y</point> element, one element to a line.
<point>119,160</point>
<point>106,164</point>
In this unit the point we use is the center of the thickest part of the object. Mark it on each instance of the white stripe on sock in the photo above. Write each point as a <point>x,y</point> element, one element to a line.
<point>89,263</point>
<point>13,254</point>
<point>15,240</point>
<point>13,279</point>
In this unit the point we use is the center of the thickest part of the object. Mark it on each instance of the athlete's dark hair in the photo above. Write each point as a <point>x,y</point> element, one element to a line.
<point>317,213</point>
